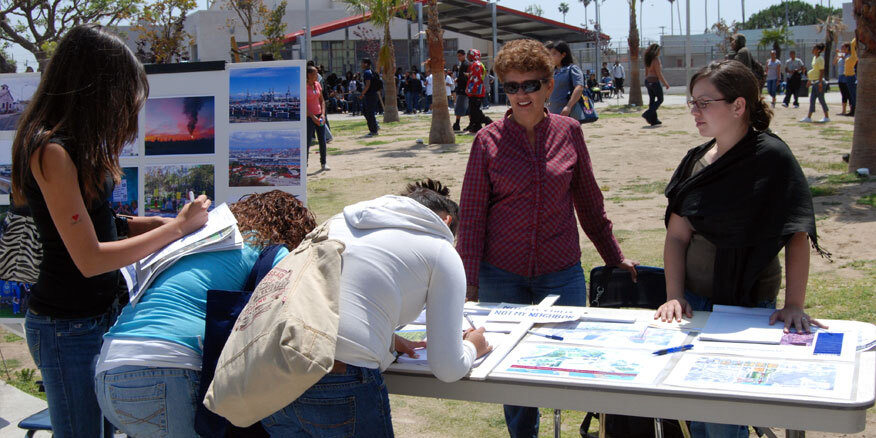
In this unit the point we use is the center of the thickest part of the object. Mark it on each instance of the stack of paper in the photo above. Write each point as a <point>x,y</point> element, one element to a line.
<point>220,233</point>
<point>742,324</point>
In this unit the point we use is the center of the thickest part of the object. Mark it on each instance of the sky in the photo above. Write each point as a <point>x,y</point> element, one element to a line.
<point>614,16</point>
<point>260,80</point>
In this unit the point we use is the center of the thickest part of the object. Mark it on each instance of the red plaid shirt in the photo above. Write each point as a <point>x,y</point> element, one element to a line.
<point>516,208</point>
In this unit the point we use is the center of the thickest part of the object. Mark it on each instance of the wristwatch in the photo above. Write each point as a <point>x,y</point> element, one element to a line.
<point>122,229</point>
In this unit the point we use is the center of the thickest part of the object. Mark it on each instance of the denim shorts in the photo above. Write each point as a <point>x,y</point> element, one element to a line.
<point>461,108</point>
<point>149,401</point>
<point>353,404</point>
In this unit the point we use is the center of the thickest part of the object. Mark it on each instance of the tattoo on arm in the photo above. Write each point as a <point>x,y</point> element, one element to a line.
<point>75,219</point>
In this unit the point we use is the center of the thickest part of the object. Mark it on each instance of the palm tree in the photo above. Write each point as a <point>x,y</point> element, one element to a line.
<point>441,131</point>
<point>586,3</point>
<point>564,8</point>
<point>777,38</point>
<point>831,26</point>
<point>633,42</point>
<point>863,147</point>
<point>382,13</point>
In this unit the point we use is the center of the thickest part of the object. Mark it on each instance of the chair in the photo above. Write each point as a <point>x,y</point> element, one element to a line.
<point>613,288</point>
<point>38,421</point>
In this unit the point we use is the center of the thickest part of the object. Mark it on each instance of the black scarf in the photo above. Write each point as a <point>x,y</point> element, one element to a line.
<point>748,203</point>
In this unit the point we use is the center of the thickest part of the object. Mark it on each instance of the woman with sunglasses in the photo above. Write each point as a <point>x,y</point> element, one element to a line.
<point>734,203</point>
<point>526,177</point>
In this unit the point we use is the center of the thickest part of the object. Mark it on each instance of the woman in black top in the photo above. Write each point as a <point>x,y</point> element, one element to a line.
<point>65,160</point>
<point>734,203</point>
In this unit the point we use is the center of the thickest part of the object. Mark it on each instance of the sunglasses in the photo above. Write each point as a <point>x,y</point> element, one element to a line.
<point>530,86</point>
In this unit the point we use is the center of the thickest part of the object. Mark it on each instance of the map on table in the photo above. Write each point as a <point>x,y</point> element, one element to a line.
<point>765,375</point>
<point>615,335</point>
<point>555,360</point>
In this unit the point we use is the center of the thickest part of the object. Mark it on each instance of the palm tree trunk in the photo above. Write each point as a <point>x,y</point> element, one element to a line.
<point>633,41</point>
<point>390,108</point>
<point>863,147</point>
<point>441,131</point>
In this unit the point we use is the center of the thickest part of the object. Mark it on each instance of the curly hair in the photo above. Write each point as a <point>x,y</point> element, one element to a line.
<point>436,197</point>
<point>275,217</point>
<point>523,56</point>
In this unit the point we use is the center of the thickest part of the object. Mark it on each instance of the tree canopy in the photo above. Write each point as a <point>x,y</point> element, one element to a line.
<point>799,14</point>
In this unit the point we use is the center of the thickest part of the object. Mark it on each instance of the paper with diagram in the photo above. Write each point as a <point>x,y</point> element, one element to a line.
<point>764,375</point>
<point>616,335</point>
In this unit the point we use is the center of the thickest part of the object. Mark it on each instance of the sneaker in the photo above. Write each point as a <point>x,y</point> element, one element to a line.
<point>805,120</point>
<point>371,134</point>
<point>850,114</point>
<point>824,120</point>
<point>456,126</point>
<point>785,105</point>
<point>796,105</point>
<point>656,122</point>
<point>773,104</point>
<point>325,167</point>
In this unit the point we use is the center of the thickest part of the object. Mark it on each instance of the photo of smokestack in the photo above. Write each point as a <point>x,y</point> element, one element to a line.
<point>180,125</point>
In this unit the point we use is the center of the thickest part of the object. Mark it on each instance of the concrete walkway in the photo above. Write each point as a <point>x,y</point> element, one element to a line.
<point>15,406</point>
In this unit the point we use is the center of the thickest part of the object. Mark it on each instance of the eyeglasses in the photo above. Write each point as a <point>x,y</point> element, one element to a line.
<point>702,104</point>
<point>530,86</point>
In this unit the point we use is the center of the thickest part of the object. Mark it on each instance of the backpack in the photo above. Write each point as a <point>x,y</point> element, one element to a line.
<point>759,72</point>
<point>223,308</point>
<point>378,83</point>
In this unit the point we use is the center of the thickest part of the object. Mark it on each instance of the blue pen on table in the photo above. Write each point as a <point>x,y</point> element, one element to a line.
<point>673,350</point>
<point>554,337</point>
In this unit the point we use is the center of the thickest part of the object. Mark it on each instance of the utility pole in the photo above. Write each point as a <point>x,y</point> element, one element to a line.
<point>419,32</point>
<point>307,54</point>
<point>687,49</point>
<point>787,21</point>
<point>598,33</point>
<point>743,13</point>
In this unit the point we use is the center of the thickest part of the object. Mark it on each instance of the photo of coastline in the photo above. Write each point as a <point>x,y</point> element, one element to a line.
<point>264,158</point>
<point>16,91</point>
<point>180,125</point>
<point>264,94</point>
<point>166,187</point>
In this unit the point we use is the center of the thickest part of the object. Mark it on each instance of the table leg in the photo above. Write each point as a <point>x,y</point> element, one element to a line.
<point>658,428</point>
<point>601,425</point>
<point>790,433</point>
<point>557,423</point>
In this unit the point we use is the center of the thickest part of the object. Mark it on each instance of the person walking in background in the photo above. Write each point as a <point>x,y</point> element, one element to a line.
<point>65,164</point>
<point>839,60</point>
<point>617,72</point>
<point>369,97</point>
<point>794,69</point>
<point>818,83</point>
<point>316,115</point>
<point>773,73</point>
<point>568,82</point>
<point>448,88</point>
<point>460,106</point>
<point>738,51</point>
<point>653,79</point>
<point>476,89</point>
<point>527,175</point>
<point>428,82</point>
<point>851,75</point>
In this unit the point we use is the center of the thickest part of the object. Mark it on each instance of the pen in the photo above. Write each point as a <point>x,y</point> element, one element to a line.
<point>673,350</point>
<point>470,322</point>
<point>554,337</point>
<point>191,196</point>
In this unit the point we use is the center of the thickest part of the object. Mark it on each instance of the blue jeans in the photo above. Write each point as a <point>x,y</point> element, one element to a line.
<point>370,107</point>
<point>698,429</point>
<point>497,285</point>
<point>771,86</point>
<point>852,85</point>
<point>64,351</point>
<point>655,99</point>
<point>353,403</point>
<point>815,94</point>
<point>319,131</point>
<point>148,401</point>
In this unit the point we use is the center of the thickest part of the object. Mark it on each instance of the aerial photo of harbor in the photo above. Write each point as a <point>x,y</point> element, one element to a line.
<point>264,158</point>
<point>265,94</point>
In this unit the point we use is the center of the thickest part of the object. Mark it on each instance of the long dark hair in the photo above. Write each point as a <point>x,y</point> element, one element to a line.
<point>734,79</point>
<point>90,94</point>
<point>651,53</point>
<point>563,48</point>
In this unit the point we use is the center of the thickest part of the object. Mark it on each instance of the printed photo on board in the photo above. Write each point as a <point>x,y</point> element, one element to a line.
<point>180,125</point>
<point>166,187</point>
<point>264,158</point>
<point>124,197</point>
<point>264,94</point>
<point>5,166</point>
<point>15,93</point>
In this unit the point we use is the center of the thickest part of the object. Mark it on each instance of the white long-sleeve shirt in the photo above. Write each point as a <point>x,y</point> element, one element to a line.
<point>399,257</point>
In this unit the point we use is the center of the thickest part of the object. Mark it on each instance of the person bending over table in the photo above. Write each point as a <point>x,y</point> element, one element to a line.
<point>526,177</point>
<point>398,258</point>
<point>156,348</point>
<point>734,203</point>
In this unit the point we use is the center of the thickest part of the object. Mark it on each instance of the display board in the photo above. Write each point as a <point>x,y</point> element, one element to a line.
<point>224,130</point>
